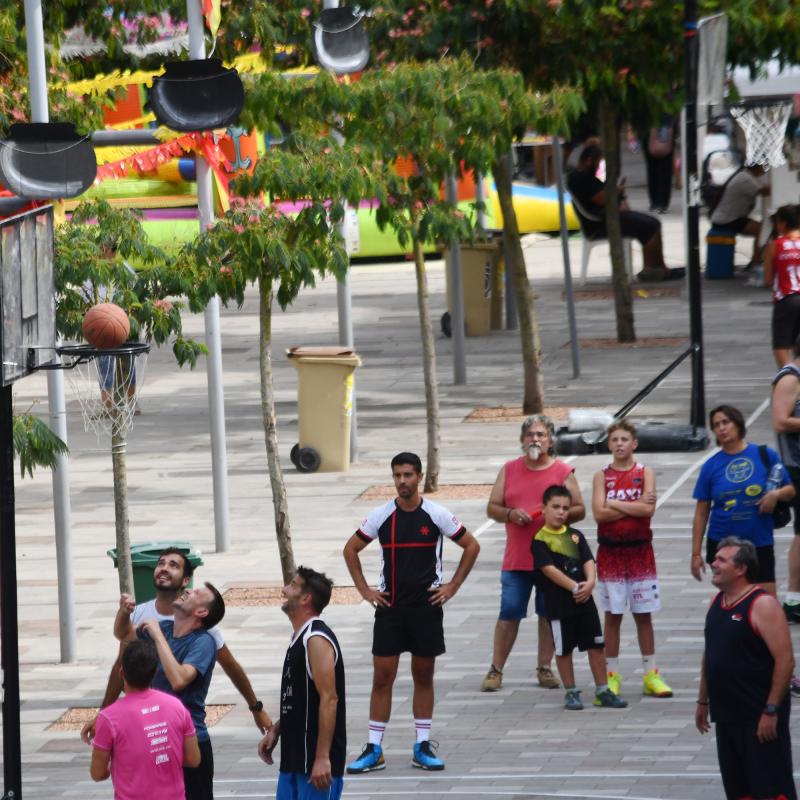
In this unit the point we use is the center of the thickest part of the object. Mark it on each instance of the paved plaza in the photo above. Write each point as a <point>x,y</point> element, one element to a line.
<point>518,743</point>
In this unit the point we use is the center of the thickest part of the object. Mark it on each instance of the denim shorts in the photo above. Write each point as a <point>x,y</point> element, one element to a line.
<point>516,586</point>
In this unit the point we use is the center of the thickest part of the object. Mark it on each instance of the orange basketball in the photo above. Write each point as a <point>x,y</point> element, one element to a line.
<point>106,326</point>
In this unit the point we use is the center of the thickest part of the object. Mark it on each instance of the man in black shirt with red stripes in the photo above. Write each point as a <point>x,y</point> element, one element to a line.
<point>745,679</point>
<point>408,602</point>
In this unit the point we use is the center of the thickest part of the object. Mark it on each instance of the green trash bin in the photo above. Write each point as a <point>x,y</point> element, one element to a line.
<point>145,557</point>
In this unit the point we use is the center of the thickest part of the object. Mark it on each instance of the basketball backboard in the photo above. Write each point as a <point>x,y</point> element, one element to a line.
<point>27,293</point>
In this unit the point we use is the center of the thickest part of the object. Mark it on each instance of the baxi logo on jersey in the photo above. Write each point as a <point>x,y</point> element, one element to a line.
<point>424,530</point>
<point>623,494</point>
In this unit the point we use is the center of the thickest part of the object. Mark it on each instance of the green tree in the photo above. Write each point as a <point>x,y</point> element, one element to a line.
<point>103,255</point>
<point>448,116</point>
<point>624,56</point>
<point>35,445</point>
<point>256,243</point>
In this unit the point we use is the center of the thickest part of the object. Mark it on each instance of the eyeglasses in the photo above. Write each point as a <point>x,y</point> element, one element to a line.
<point>537,434</point>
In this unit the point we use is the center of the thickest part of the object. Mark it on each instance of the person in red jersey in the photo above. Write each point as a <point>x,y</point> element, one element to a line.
<point>623,502</point>
<point>782,273</point>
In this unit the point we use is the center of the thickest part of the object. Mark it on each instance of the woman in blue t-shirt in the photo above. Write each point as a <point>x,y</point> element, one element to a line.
<point>730,490</point>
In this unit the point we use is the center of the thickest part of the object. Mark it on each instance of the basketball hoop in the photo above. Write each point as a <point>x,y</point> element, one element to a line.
<point>764,125</point>
<point>107,384</point>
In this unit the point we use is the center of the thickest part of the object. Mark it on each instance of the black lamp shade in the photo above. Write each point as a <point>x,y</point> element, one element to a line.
<point>340,42</point>
<point>197,95</point>
<point>46,160</point>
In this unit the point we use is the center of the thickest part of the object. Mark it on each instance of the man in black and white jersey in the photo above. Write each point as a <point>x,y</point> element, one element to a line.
<point>312,723</point>
<point>408,602</point>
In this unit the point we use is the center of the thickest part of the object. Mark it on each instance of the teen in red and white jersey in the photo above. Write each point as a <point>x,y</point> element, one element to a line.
<point>782,272</point>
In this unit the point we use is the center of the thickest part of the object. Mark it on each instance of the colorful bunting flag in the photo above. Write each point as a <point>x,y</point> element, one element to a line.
<point>213,14</point>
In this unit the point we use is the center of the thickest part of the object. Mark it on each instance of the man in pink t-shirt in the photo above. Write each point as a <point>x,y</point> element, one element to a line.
<point>144,739</point>
<point>516,500</point>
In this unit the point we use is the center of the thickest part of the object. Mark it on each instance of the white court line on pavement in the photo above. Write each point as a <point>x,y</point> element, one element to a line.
<point>502,776</point>
<point>699,463</point>
<point>489,522</point>
<point>480,793</point>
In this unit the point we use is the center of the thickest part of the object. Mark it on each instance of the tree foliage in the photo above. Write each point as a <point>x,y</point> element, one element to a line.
<point>35,445</point>
<point>103,255</point>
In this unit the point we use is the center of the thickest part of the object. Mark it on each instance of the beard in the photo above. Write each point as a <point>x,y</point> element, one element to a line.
<point>533,451</point>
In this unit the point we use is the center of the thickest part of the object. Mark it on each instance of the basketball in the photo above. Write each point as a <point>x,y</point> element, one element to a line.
<point>106,326</point>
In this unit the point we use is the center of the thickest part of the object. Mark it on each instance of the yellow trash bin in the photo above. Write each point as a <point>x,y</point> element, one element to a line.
<point>478,263</point>
<point>324,406</point>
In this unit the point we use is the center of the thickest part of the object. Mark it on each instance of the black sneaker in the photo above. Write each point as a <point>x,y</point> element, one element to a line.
<point>792,612</point>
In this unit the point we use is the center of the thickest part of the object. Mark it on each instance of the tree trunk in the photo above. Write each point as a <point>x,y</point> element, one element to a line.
<point>623,299</point>
<point>124,565</point>
<point>429,371</point>
<point>280,503</point>
<point>533,395</point>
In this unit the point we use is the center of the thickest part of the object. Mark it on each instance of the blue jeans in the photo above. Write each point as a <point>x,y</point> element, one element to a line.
<point>516,586</point>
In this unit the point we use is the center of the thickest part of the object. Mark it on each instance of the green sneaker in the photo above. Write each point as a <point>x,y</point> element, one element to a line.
<point>654,685</point>
<point>614,682</point>
<point>607,699</point>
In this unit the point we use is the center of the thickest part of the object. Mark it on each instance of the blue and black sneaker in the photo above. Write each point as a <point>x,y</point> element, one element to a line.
<point>370,760</point>
<point>425,757</point>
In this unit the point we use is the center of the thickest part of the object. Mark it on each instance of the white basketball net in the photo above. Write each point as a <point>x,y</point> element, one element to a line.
<point>107,387</point>
<point>764,128</point>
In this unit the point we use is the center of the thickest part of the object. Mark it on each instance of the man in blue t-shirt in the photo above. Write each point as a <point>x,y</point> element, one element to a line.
<point>186,655</point>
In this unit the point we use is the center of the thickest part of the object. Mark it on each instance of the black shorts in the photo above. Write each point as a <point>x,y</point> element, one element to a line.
<point>766,560</point>
<point>418,630</point>
<point>735,225</point>
<point>785,322</point>
<point>634,225</point>
<point>582,631</point>
<point>199,780</point>
<point>752,769</point>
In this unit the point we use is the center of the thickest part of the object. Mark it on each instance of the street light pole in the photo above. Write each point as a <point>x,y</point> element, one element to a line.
<point>216,392</point>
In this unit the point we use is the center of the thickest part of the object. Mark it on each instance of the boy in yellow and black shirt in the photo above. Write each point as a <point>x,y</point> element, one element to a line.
<point>564,560</point>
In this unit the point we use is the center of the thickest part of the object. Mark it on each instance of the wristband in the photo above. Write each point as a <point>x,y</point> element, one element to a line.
<point>576,588</point>
<point>257,706</point>
<point>508,514</point>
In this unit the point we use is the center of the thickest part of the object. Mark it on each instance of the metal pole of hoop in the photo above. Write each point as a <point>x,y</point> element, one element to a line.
<point>9,644</point>
<point>692,188</point>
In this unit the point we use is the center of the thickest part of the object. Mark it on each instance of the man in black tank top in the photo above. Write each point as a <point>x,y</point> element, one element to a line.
<point>312,720</point>
<point>744,681</point>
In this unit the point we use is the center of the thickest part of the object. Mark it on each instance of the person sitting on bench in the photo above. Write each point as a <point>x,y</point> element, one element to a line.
<point>588,197</point>
<point>736,203</point>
